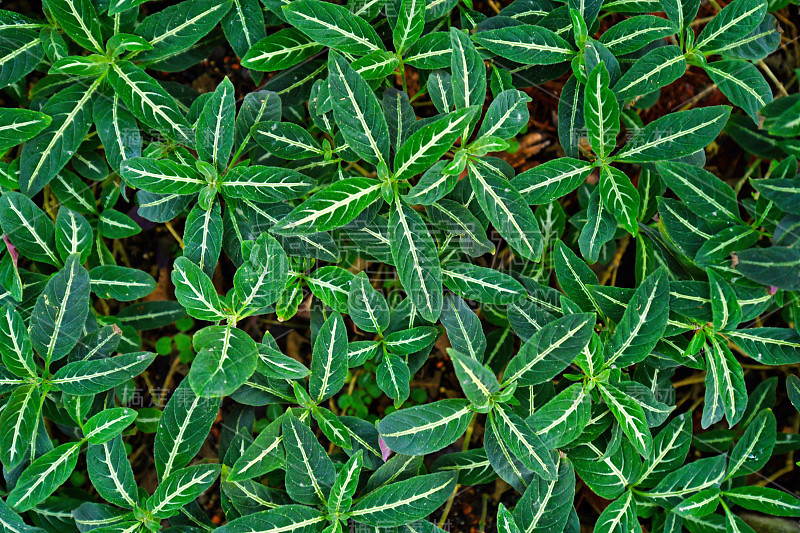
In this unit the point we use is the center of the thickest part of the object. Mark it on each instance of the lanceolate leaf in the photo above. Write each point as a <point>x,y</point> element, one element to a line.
<point>19,423</point>
<point>334,26</point>
<point>415,256</point>
<point>357,111</point>
<point>643,323</point>
<point>179,26</point>
<point>148,102</point>
<point>193,288</point>
<point>214,128</point>
<point>527,44</point>
<point>424,429</point>
<point>282,49</point>
<point>43,476</point>
<point>524,443</point>
<point>79,20</point>
<point>181,487</point>
<point>162,176</point>
<point>85,378</point>
<point>425,146</point>
<point>18,125</point>
<point>506,209</point>
<point>601,112</point>
<point>630,416</point>
<point>736,20</point>
<point>226,357</point>
<point>330,208</point>
<point>47,153</point>
<point>675,135</point>
<point>329,360</point>
<point>182,429</point>
<point>725,389</point>
<point>405,501</point>
<point>658,68</point>
<point>60,312</point>
<point>548,352</point>
<point>310,473</point>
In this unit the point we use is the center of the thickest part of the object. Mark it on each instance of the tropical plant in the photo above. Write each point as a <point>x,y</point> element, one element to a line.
<point>355,169</point>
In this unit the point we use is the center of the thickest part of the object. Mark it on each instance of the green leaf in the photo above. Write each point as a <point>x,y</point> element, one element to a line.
<point>725,389</point>
<point>468,73</point>
<point>180,488</point>
<point>333,26</point>
<point>121,283</point>
<point>562,419</point>
<point>85,378</point>
<point>742,84</point>
<point>735,21</point>
<point>73,235</point>
<point>299,518</point>
<point>459,221</point>
<point>43,476</point>
<point>657,68</point>
<point>724,306</point>
<point>344,488</point>
<point>47,153</point>
<point>506,116</point>
<point>524,443</point>
<point>630,416</point>
<point>260,280</point>
<point>366,306</point>
<point>264,455</point>
<point>178,27</point>
<point>19,423</point>
<point>15,344</point>
<point>600,228</point>
<point>332,207</point>
<point>111,473</point>
<point>310,473</point>
<point>79,20</point>
<point>280,50</point>
<point>701,191</point>
<point>148,101</point>
<point>526,44</point>
<point>202,235</point>
<point>769,346</point>
<point>60,312</point>
<point>755,447</point>
<point>545,505</point>
<point>464,329</point>
<point>776,265</point>
<point>431,51</point>
<point>356,109</point>
<point>20,53</point>
<point>635,33</point>
<point>393,377</point>
<point>243,25</point>
<point>329,359</point>
<point>701,504</point>
<point>429,143</point>
<point>601,112</point>
<point>108,424</point>
<point>477,381</point>
<point>675,135</point>
<point>195,292</point>
<point>550,350</point>
<point>18,125</point>
<point>161,176</point>
<point>286,140</point>
<point>551,180</point>
<point>412,340</point>
<point>620,197</point>
<point>506,209</point>
<point>410,24</point>
<point>405,501</point>
<point>764,500</point>
<point>643,322</point>
<point>331,284</point>
<point>417,261</point>
<point>28,228</point>
<point>226,357</point>
<point>482,284</point>
<point>427,428</point>
<point>214,128</point>
<point>182,429</point>
<point>619,516</point>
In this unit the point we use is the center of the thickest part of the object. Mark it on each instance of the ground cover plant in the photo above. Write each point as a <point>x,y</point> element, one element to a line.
<point>399,265</point>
